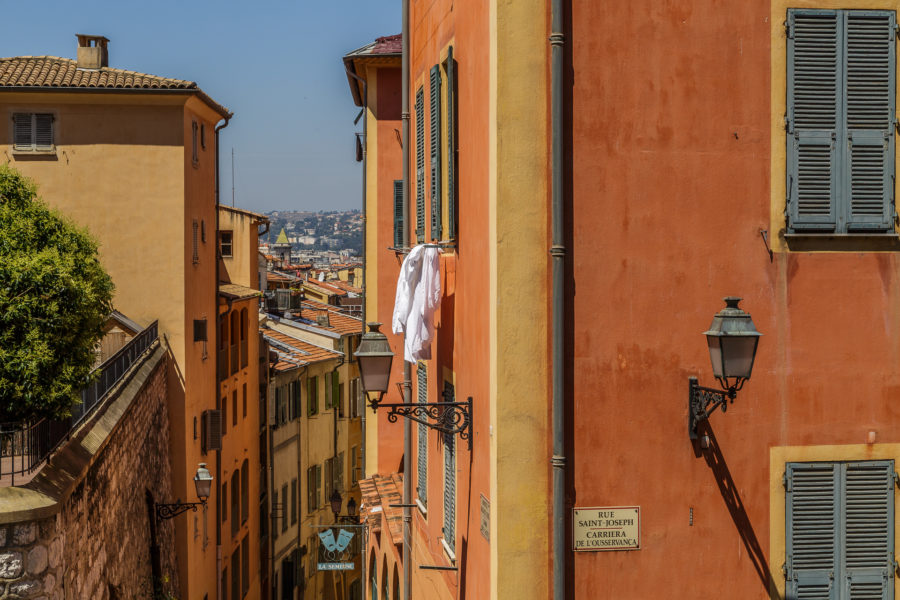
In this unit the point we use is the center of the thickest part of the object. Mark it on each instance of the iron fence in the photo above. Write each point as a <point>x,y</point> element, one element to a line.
<point>24,446</point>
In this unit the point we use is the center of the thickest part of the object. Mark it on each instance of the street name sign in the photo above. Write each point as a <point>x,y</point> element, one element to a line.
<point>606,528</point>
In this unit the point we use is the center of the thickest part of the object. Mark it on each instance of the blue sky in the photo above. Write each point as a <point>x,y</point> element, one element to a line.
<point>275,63</point>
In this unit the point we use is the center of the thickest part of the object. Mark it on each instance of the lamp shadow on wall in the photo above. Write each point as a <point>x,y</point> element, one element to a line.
<point>716,462</point>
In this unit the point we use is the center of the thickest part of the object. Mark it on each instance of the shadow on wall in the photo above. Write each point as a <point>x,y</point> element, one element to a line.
<point>716,462</point>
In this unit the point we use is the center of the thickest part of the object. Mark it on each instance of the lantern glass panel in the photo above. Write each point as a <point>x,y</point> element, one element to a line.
<point>737,355</point>
<point>375,372</point>
<point>715,354</point>
<point>203,486</point>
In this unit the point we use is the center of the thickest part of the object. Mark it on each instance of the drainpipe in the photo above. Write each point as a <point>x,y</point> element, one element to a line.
<point>362,413</point>
<point>557,253</point>
<point>407,370</point>
<point>218,383</point>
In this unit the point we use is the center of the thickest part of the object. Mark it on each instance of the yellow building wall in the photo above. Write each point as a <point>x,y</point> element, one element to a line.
<point>242,267</point>
<point>121,169</point>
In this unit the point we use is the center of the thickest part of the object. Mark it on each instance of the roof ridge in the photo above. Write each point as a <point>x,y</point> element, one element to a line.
<point>301,340</point>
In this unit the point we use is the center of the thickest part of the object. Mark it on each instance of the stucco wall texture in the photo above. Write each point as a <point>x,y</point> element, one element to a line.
<point>670,132</point>
<point>98,545</point>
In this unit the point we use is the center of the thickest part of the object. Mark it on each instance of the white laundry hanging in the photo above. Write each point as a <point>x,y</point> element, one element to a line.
<point>418,297</point>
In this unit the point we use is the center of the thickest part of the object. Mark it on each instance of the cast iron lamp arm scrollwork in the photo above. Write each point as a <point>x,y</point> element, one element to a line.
<point>447,417</point>
<point>169,511</point>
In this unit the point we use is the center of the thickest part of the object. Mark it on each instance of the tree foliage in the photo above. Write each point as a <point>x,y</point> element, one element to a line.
<point>54,299</point>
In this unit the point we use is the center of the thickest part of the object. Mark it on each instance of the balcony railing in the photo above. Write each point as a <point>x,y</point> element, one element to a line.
<point>24,446</point>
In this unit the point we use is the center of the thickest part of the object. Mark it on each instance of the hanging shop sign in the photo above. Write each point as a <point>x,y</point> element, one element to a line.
<point>335,551</point>
<point>606,528</point>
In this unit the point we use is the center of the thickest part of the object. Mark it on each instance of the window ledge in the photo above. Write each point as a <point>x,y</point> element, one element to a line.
<point>422,508</point>
<point>843,242</point>
<point>448,551</point>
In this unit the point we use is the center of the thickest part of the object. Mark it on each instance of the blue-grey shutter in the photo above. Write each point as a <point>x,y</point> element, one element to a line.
<point>449,529</point>
<point>451,145</point>
<point>43,131</point>
<point>422,458</point>
<point>399,237</point>
<point>435,155</point>
<point>870,84</point>
<point>420,166</point>
<point>868,530</point>
<point>22,138</point>
<point>811,530</point>
<point>814,57</point>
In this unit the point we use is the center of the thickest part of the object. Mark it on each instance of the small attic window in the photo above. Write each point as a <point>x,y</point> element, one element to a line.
<point>33,132</point>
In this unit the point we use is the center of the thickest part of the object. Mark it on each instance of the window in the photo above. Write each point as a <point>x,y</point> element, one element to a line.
<point>313,487</point>
<point>284,512</point>
<point>195,243</point>
<point>296,400</point>
<point>195,157</point>
<point>450,69</point>
<point>312,396</point>
<point>329,478</point>
<point>236,574</point>
<point>354,461</point>
<point>245,491</point>
<point>355,397</point>
<point>340,397</point>
<point>422,437</point>
<point>420,166</point>
<point>234,408</point>
<point>840,121</point>
<point>244,399</point>
<point>399,221</point>
<point>329,400</point>
<point>293,501</point>
<point>449,529</point>
<point>236,495</point>
<point>33,132</point>
<point>434,105</point>
<point>211,430</point>
<point>244,348</point>
<point>245,567</point>
<point>274,514</point>
<point>199,330</point>
<point>224,501</point>
<point>226,239</point>
<point>839,529</point>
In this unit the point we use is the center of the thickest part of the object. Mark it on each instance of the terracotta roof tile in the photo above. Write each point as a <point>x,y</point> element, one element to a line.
<point>338,322</point>
<point>378,493</point>
<point>298,352</point>
<point>58,72</point>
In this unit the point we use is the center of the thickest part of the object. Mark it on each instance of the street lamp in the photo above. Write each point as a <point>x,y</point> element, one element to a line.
<point>336,500</point>
<point>203,484</point>
<point>375,357</point>
<point>732,340</point>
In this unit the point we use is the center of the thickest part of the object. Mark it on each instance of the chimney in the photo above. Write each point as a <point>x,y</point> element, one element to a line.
<point>92,53</point>
<point>322,319</point>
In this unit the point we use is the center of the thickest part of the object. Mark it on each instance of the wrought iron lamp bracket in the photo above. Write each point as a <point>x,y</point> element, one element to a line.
<point>448,417</point>
<point>704,401</point>
<point>169,511</point>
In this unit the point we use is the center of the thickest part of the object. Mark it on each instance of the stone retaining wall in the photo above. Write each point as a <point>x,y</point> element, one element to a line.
<point>97,544</point>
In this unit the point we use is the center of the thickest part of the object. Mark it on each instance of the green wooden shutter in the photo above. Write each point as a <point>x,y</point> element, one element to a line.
<point>312,396</point>
<point>399,234</point>
<point>335,389</point>
<point>870,84</point>
<point>422,437</point>
<point>449,528</point>
<point>868,530</point>
<point>811,530</point>
<point>310,489</point>
<point>814,57</point>
<point>435,155</point>
<point>451,145</point>
<point>420,166</point>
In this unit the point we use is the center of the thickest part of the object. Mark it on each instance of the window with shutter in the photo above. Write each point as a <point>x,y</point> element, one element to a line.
<point>449,529</point>
<point>211,430</point>
<point>335,389</point>
<point>236,574</point>
<point>293,501</point>
<point>840,530</point>
<point>312,396</point>
<point>840,120</point>
<point>310,489</point>
<point>399,234</point>
<point>245,491</point>
<point>422,437</point>
<point>434,106</point>
<point>318,485</point>
<point>329,398</point>
<point>33,132</point>
<point>236,493</point>
<point>420,166</point>
<point>451,144</point>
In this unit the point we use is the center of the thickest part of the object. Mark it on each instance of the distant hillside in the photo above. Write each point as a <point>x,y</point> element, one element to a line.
<point>323,230</point>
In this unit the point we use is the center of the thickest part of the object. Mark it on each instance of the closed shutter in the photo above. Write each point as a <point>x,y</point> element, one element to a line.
<point>43,132</point>
<point>22,138</point>
<point>318,484</point>
<point>812,530</point>
<point>422,437</point>
<point>814,56</point>
<point>310,489</point>
<point>420,166</point>
<point>840,530</point>
<point>311,396</point>
<point>451,145</point>
<point>870,108</point>
<point>449,529</point>
<point>212,430</point>
<point>868,534</point>
<point>328,391</point>
<point>435,151</point>
<point>399,234</point>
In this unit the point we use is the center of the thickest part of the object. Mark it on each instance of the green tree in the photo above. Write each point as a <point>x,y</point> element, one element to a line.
<point>54,299</point>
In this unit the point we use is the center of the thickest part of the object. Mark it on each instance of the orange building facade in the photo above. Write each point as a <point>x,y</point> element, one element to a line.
<point>690,172</point>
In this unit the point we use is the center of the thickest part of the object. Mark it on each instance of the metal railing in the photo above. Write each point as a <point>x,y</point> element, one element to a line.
<point>24,446</point>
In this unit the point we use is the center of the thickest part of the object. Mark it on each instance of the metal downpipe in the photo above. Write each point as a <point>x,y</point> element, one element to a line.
<point>557,253</point>
<point>407,370</point>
